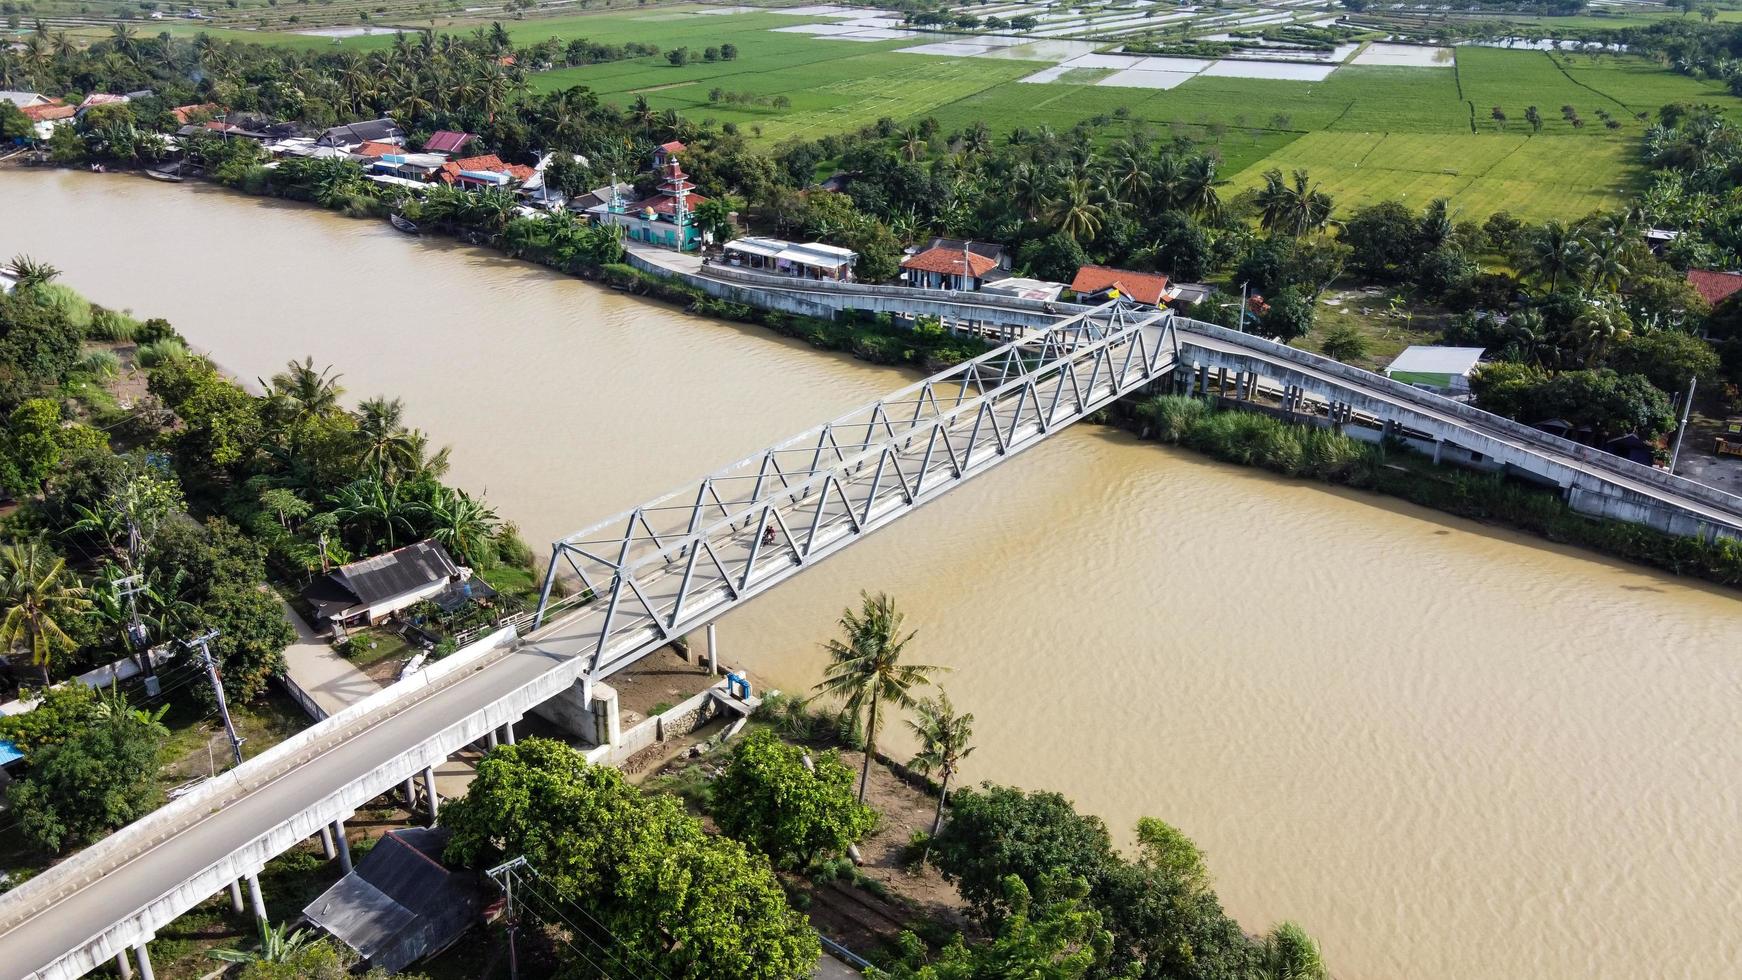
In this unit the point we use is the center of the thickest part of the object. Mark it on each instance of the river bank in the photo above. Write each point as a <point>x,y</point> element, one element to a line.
<point>880,341</point>
<point>1445,748</point>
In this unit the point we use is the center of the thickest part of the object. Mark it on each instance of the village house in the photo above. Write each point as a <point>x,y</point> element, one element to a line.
<point>355,134</point>
<point>25,100</point>
<point>1023,288</point>
<point>1445,370</point>
<point>1099,283</point>
<point>541,193</point>
<point>811,260</point>
<point>599,196</point>
<point>447,141</point>
<point>665,152</point>
<point>665,219</point>
<point>45,117</point>
<point>367,591</point>
<point>483,171</point>
<point>418,167</point>
<point>400,904</point>
<point>185,114</point>
<point>951,264</point>
<point>1713,286</point>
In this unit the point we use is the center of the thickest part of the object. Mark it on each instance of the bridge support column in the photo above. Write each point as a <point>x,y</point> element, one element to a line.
<point>1438,445</point>
<point>1222,382</point>
<point>1203,380</point>
<point>235,896</point>
<point>492,740</point>
<point>508,734</point>
<point>429,790</point>
<point>410,792</point>
<point>344,846</point>
<point>256,900</point>
<point>123,965</point>
<point>327,843</point>
<point>144,956</point>
<point>713,652</point>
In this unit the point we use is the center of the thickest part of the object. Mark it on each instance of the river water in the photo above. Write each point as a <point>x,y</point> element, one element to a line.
<point>1447,750</point>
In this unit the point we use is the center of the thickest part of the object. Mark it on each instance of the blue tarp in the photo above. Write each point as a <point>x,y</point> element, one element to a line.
<point>9,753</point>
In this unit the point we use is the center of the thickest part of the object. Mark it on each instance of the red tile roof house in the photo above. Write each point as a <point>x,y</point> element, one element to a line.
<point>455,171</point>
<point>50,113</point>
<point>1101,283</point>
<point>185,114</point>
<point>1715,287</point>
<point>373,149</point>
<point>943,267</point>
<point>447,141</point>
<point>664,152</point>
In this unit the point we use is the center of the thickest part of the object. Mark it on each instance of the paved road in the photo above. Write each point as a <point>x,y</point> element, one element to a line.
<point>333,682</point>
<point>1727,516</point>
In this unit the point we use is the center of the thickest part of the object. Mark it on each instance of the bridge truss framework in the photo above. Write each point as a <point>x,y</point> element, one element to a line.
<point>671,565</point>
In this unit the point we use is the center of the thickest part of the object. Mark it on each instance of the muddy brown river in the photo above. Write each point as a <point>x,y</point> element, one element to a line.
<point>1446,749</point>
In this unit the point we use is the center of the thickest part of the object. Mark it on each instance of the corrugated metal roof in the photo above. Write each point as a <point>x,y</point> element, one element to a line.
<point>395,573</point>
<point>399,904</point>
<point>1424,359</point>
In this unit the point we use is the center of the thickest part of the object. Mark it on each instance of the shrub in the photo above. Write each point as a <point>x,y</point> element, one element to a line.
<point>1344,343</point>
<point>771,800</point>
<point>100,364</point>
<point>161,352</point>
<point>112,325</point>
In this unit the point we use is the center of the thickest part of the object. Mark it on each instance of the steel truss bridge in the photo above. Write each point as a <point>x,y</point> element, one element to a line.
<point>678,562</point>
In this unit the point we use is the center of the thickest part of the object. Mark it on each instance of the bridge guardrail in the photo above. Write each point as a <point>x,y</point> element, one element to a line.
<point>966,297</point>
<point>1680,486</point>
<point>145,832</point>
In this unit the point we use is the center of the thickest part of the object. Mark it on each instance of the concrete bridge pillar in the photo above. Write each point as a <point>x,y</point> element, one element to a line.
<point>410,792</point>
<point>713,652</point>
<point>1221,382</point>
<point>429,790</point>
<point>327,843</point>
<point>493,739</point>
<point>235,896</point>
<point>124,965</point>
<point>1438,445</point>
<point>256,900</point>
<point>508,734</point>
<point>144,957</point>
<point>344,846</point>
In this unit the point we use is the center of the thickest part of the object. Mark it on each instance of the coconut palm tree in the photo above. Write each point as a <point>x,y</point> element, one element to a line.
<point>310,393</point>
<point>1197,188</point>
<point>913,145</point>
<point>1291,954</point>
<point>1553,253</point>
<point>35,594</point>
<point>1296,207</point>
<point>1075,211</point>
<point>943,740</point>
<point>866,669</point>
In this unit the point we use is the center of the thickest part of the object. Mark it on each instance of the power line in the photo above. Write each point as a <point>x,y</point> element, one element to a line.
<point>577,930</point>
<point>504,876</point>
<point>645,958</point>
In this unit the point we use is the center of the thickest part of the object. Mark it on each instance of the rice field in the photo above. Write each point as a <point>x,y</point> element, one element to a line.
<point>1392,121</point>
<point>1534,177</point>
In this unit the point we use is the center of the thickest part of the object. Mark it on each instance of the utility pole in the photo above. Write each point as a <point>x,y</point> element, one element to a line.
<point>506,882</point>
<point>137,639</point>
<point>1243,306</point>
<point>1687,406</point>
<point>204,641</point>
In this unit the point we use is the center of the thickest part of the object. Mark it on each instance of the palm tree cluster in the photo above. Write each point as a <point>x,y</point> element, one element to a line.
<point>360,481</point>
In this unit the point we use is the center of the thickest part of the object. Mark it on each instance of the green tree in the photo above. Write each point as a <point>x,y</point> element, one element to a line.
<point>1382,237</point>
<point>1053,934</point>
<point>33,445</point>
<point>100,779</point>
<point>1666,358</point>
<point>866,671</point>
<point>1344,343</point>
<point>1607,403</point>
<point>252,635</point>
<point>1290,315</point>
<point>14,124</point>
<point>768,798</point>
<point>38,595</point>
<point>995,831</point>
<point>678,900</point>
<point>61,713</point>
<point>943,744</point>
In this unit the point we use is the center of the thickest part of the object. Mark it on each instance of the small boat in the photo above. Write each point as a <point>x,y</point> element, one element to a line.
<point>403,223</point>
<point>167,178</point>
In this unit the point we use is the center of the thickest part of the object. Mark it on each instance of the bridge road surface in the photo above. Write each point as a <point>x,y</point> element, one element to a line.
<point>138,873</point>
<point>1717,515</point>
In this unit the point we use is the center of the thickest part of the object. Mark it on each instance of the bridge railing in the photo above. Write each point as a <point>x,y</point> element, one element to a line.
<point>791,503</point>
<point>1468,414</point>
<point>959,296</point>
